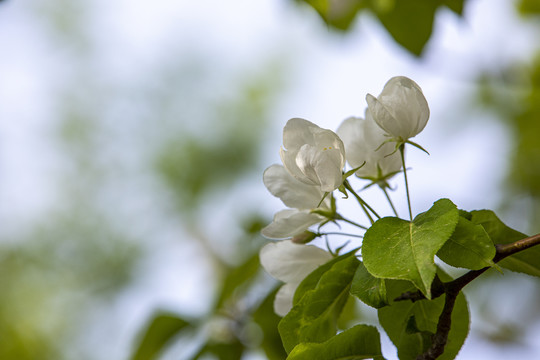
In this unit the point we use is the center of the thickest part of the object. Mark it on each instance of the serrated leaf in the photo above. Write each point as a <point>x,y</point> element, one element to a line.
<point>268,321</point>
<point>527,261</point>
<point>158,332</point>
<point>314,317</point>
<point>469,247</point>
<point>411,324</point>
<point>359,342</point>
<point>369,289</point>
<point>398,249</point>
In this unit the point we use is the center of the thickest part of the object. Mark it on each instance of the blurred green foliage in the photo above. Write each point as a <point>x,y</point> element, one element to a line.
<point>409,22</point>
<point>82,252</point>
<point>193,165</point>
<point>513,96</point>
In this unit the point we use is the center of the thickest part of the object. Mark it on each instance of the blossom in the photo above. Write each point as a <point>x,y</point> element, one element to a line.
<point>299,197</point>
<point>313,155</point>
<point>365,143</point>
<point>401,109</point>
<point>290,263</point>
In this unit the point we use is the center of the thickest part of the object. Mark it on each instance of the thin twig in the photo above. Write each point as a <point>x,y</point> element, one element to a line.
<point>452,290</point>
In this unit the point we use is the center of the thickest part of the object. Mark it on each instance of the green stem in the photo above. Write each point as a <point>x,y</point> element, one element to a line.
<point>365,206</point>
<point>389,200</point>
<point>341,233</point>
<point>402,152</point>
<point>339,217</point>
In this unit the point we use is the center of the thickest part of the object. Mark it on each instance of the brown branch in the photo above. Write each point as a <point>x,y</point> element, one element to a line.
<point>452,289</point>
<point>438,340</point>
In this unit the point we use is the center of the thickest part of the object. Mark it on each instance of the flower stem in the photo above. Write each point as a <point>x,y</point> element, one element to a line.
<point>402,152</point>
<point>341,233</point>
<point>362,203</point>
<point>389,200</point>
<point>339,217</point>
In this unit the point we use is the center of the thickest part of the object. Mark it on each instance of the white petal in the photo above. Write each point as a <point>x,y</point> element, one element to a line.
<point>283,302</point>
<point>363,140</point>
<point>292,192</point>
<point>298,132</point>
<point>303,157</point>
<point>290,262</point>
<point>289,162</point>
<point>401,109</point>
<point>290,222</point>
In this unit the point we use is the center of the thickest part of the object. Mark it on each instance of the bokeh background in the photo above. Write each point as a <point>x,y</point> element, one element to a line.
<point>134,134</point>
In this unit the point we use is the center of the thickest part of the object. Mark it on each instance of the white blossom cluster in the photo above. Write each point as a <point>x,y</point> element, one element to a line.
<point>313,166</point>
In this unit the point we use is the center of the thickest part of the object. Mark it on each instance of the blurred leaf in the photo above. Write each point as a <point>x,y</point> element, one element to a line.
<point>455,5</point>
<point>410,22</point>
<point>529,7</point>
<point>268,321</point>
<point>398,249</point>
<point>369,289</point>
<point>223,351</point>
<point>359,342</point>
<point>469,247</point>
<point>314,317</point>
<point>411,324</point>
<point>338,14</point>
<point>527,261</point>
<point>159,331</point>
<point>237,276</point>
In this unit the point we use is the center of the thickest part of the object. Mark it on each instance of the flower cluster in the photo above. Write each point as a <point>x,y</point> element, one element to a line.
<point>313,167</point>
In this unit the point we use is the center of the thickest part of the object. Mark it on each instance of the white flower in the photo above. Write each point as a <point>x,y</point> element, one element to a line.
<point>300,197</point>
<point>290,263</point>
<point>401,109</point>
<point>363,140</point>
<point>313,155</point>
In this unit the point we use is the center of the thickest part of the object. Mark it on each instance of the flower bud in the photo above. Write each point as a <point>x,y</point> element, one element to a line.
<point>401,109</point>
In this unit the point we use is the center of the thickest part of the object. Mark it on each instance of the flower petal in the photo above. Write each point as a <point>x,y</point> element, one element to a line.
<point>292,192</point>
<point>401,109</point>
<point>283,302</point>
<point>313,155</point>
<point>298,132</point>
<point>290,222</point>
<point>365,142</point>
<point>290,262</point>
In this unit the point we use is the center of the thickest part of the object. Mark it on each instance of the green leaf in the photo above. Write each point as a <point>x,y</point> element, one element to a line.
<point>369,289</point>
<point>455,5</point>
<point>529,7</point>
<point>398,249</point>
<point>527,261</point>
<point>359,342</point>
<point>314,317</point>
<point>469,247</point>
<point>337,14</point>
<point>159,331</point>
<point>311,281</point>
<point>410,22</point>
<point>411,324</point>
<point>237,276</point>
<point>268,321</point>
<point>222,351</point>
